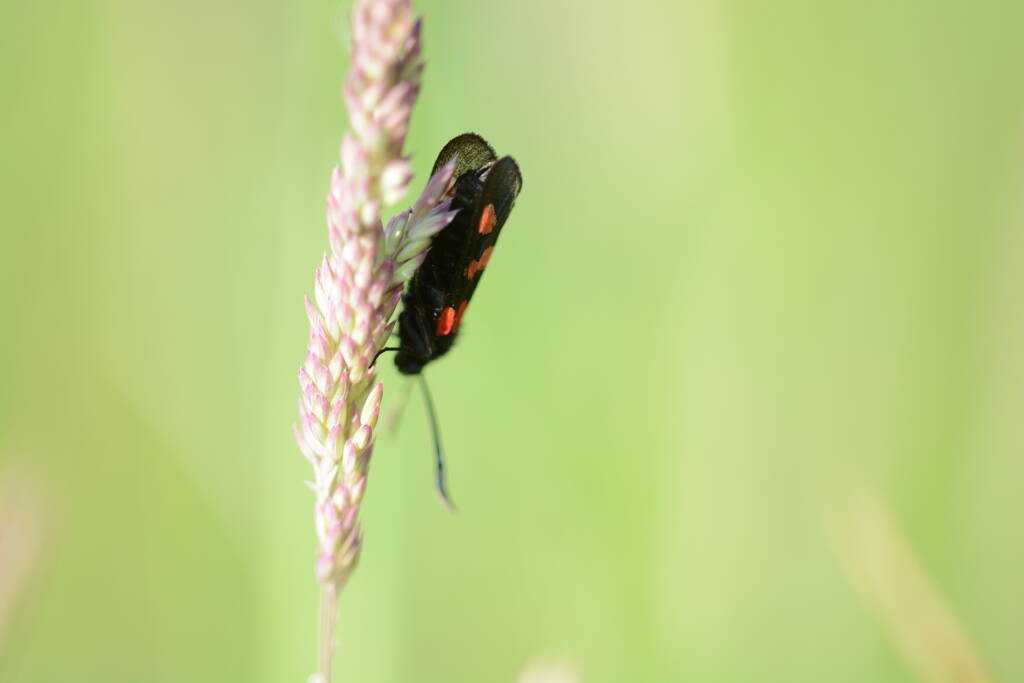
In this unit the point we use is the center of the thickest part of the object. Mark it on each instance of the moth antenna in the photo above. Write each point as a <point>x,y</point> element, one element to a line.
<point>442,486</point>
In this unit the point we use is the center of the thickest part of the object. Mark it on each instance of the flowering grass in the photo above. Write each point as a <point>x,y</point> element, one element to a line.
<point>358,285</point>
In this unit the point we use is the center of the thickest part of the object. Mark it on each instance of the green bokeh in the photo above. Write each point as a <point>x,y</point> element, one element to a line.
<point>762,250</point>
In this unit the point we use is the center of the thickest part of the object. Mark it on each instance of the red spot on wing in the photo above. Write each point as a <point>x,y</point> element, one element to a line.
<point>477,265</point>
<point>485,258</point>
<point>487,221</point>
<point>446,322</point>
<point>459,313</point>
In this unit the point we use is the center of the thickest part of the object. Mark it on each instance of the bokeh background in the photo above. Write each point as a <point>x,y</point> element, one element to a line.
<point>767,255</point>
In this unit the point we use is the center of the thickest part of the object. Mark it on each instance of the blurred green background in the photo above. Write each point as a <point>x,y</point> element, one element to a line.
<point>763,251</point>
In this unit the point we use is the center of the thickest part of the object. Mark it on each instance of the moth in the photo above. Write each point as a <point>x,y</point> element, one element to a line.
<point>434,304</point>
<point>438,294</point>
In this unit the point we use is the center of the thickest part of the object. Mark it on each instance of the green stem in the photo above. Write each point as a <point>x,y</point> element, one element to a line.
<point>328,617</point>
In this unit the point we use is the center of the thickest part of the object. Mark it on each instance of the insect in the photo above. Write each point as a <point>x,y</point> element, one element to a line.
<point>435,301</point>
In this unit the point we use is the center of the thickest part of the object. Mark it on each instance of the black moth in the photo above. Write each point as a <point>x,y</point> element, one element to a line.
<point>485,189</point>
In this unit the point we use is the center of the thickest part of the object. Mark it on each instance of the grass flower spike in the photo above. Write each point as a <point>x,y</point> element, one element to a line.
<point>359,284</point>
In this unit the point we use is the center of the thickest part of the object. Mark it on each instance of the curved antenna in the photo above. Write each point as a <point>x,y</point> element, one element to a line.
<point>442,485</point>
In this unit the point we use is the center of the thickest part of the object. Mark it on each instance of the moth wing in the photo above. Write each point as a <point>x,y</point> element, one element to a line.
<point>489,213</point>
<point>470,151</point>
